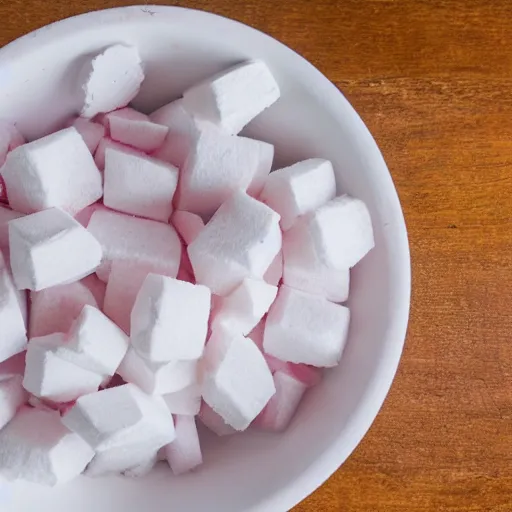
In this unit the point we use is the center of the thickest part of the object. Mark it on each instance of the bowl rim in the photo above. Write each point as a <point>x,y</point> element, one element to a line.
<point>329,461</point>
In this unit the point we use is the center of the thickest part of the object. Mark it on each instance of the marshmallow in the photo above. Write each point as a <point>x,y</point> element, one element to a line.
<point>305,328</point>
<point>274,273</point>
<point>139,185</point>
<point>129,238</point>
<point>36,447</point>
<point>84,216</point>
<point>237,383</point>
<point>241,240</point>
<point>185,401</point>
<point>15,365</point>
<point>92,133</point>
<point>54,309</point>
<point>12,397</point>
<point>106,143</point>
<point>97,288</point>
<point>157,378</point>
<point>169,319</point>
<point>299,189</point>
<point>233,98</point>
<point>3,191</point>
<point>188,225</point>
<point>57,170</point>
<point>6,215</point>
<point>10,138</point>
<point>142,469</point>
<point>219,165</point>
<point>211,420</point>
<point>114,79</point>
<point>337,235</point>
<point>184,453</point>
<point>13,332</point>
<point>245,306</point>
<point>135,129</point>
<point>49,376</point>
<point>50,248</point>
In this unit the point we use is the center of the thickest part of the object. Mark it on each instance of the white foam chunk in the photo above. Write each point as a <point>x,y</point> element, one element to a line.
<point>143,468</point>
<point>49,376</point>
<point>299,189</point>
<point>135,129</point>
<point>113,80</point>
<point>188,225</point>
<point>184,453</point>
<point>281,408</point>
<point>241,240</point>
<point>107,143</point>
<point>234,97</point>
<point>274,273</point>
<point>55,309</point>
<point>185,401</point>
<point>50,248</point>
<point>6,215</point>
<point>217,166</point>
<point>36,447</point>
<point>169,319</point>
<point>91,132</point>
<point>236,383</point>
<point>12,397</point>
<point>157,378</point>
<point>305,328</point>
<point>123,237</point>
<point>245,306</point>
<point>337,235</point>
<point>139,185</point>
<point>56,170</point>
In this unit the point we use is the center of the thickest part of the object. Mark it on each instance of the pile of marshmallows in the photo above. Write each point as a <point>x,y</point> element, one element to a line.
<point>140,316</point>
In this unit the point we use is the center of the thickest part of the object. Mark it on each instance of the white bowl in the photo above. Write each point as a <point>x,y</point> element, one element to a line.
<point>252,471</point>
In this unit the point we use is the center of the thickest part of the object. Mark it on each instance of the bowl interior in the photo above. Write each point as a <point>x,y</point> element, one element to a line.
<point>252,471</point>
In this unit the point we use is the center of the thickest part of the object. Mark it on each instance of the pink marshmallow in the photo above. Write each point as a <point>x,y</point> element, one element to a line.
<point>10,139</point>
<point>214,421</point>
<point>188,225</point>
<point>91,132</point>
<point>274,273</point>
<point>6,215</point>
<point>97,288</point>
<point>107,143</point>
<point>84,216</point>
<point>184,401</point>
<point>184,453</point>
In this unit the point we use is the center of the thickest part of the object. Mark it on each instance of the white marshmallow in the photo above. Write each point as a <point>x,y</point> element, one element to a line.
<point>219,165</point>
<point>54,309</point>
<point>274,273</point>
<point>336,235</point>
<point>49,376</point>
<point>123,237</point>
<point>237,383</point>
<point>241,240</point>
<point>305,328</point>
<point>184,453</point>
<point>36,447</point>
<point>106,143</point>
<point>169,319</point>
<point>13,332</point>
<point>50,248</point>
<point>234,97</point>
<point>245,306</point>
<point>188,225</point>
<point>12,397</point>
<point>211,420</point>
<point>114,78</point>
<point>6,215</point>
<point>55,171</point>
<point>299,189</point>
<point>139,185</point>
<point>155,378</point>
<point>10,138</point>
<point>185,401</point>
<point>142,469</point>
<point>92,133</point>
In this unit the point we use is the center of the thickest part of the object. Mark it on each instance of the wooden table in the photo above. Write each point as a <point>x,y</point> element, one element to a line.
<point>433,81</point>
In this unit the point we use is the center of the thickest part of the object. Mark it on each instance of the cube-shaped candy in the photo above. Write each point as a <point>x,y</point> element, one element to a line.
<point>96,287</point>
<point>12,397</point>
<point>305,328</point>
<point>188,225</point>
<point>55,171</point>
<point>139,185</point>
<point>274,273</point>
<point>91,132</point>
<point>185,401</point>
<point>241,240</point>
<point>10,138</point>
<point>234,97</point>
<point>143,468</point>
<point>84,216</point>
<point>50,248</point>
<point>214,422</point>
<point>184,453</point>
<point>107,143</point>
<point>6,215</point>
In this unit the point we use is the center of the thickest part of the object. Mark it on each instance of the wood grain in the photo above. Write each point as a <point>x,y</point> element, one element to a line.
<point>433,81</point>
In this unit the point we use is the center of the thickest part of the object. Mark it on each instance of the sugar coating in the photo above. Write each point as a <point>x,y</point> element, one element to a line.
<point>274,273</point>
<point>143,468</point>
<point>233,98</point>
<point>139,185</point>
<point>50,248</point>
<point>55,171</point>
<point>12,397</point>
<point>188,225</point>
<point>91,132</point>
<point>113,80</point>
<point>301,188</point>
<point>241,240</point>
<point>237,383</point>
<point>49,376</point>
<point>305,328</point>
<point>169,319</point>
<point>185,401</point>
<point>337,235</point>
<point>107,143</point>
<point>245,306</point>
<point>157,378</point>
<point>135,129</point>
<point>36,447</point>
<point>54,309</point>
<point>219,165</point>
<point>211,420</point>
<point>6,215</point>
<point>123,237</point>
<point>184,453</point>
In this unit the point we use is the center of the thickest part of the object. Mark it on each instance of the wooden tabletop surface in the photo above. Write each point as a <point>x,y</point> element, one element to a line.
<point>433,81</point>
